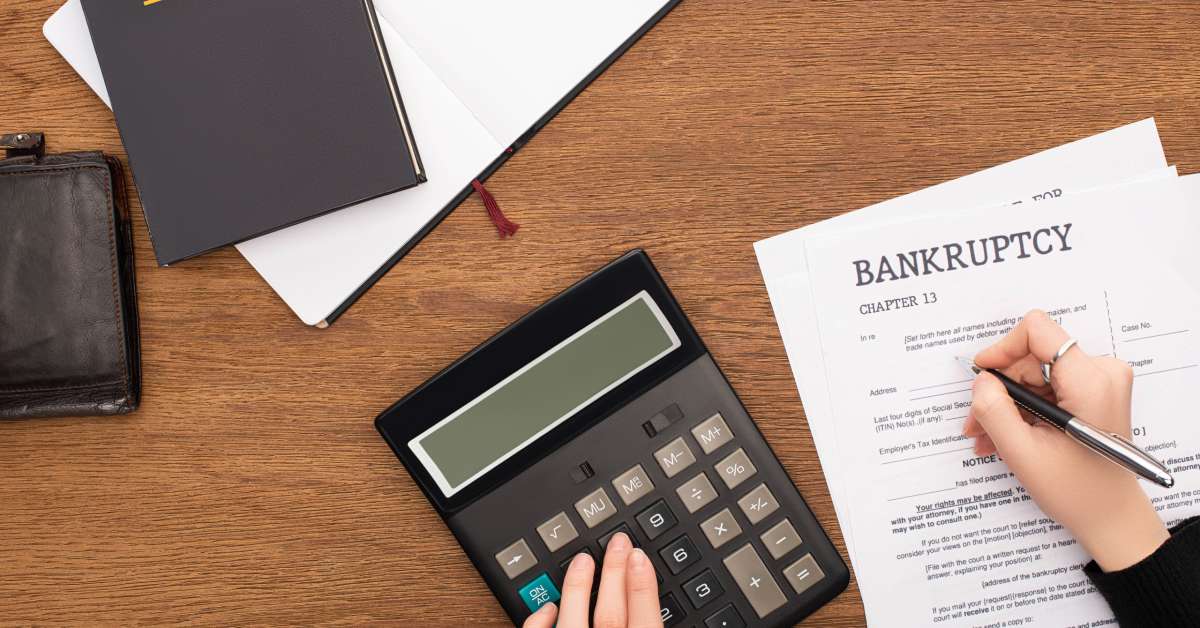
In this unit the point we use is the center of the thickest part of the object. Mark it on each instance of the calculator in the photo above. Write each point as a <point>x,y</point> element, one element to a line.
<point>601,411</point>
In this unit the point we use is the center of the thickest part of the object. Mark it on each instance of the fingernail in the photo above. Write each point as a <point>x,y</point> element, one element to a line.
<point>637,558</point>
<point>547,608</point>
<point>619,542</point>
<point>581,561</point>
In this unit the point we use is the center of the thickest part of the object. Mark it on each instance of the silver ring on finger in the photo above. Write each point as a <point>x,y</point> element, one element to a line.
<point>1066,346</point>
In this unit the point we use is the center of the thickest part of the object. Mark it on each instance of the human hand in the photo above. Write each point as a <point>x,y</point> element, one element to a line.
<point>1100,503</point>
<point>628,596</point>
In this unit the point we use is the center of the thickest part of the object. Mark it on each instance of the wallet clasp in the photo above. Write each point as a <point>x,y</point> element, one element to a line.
<point>24,144</point>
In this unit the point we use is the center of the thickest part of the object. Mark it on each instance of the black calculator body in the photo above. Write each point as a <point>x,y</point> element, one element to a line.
<point>602,411</point>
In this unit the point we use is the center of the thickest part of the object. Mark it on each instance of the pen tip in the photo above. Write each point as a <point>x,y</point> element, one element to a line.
<point>968,364</point>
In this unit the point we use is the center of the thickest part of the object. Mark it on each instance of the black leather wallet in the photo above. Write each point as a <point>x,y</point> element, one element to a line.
<point>68,303</point>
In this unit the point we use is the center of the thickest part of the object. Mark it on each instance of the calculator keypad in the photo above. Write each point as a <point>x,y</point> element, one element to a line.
<point>696,493</point>
<point>713,571</point>
<point>595,508</point>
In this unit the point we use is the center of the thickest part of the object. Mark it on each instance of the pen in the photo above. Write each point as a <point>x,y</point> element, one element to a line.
<point>1112,446</point>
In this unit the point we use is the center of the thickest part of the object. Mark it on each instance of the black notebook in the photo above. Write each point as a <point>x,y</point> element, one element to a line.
<point>244,116</point>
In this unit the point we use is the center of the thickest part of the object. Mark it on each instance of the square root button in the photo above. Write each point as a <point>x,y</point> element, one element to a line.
<point>557,532</point>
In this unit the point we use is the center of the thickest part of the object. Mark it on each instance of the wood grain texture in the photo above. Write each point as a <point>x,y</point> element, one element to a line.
<point>251,487</point>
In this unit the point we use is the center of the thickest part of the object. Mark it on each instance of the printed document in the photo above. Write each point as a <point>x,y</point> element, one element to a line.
<point>944,537</point>
<point>1121,154</point>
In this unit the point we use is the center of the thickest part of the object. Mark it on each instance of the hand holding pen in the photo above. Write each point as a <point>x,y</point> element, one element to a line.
<point>1101,503</point>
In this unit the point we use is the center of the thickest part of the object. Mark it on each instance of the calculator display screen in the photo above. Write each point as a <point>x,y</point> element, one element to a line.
<point>544,393</point>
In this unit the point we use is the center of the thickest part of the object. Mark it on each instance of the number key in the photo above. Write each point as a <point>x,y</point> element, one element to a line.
<point>703,589</point>
<point>670,611</point>
<point>656,519</point>
<point>680,554</point>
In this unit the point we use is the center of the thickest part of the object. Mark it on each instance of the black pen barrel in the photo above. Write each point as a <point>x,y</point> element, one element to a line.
<point>1034,404</point>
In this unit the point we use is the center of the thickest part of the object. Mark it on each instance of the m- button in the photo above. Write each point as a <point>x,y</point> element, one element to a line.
<point>712,433</point>
<point>595,508</point>
<point>675,457</point>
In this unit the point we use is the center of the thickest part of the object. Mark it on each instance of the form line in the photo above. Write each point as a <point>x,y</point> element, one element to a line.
<point>961,381</point>
<point>952,392</point>
<point>940,490</point>
<point>1178,368</point>
<point>1170,333</point>
<point>928,455</point>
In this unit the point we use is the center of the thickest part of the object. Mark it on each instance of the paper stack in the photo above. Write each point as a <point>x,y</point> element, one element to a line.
<point>873,305</point>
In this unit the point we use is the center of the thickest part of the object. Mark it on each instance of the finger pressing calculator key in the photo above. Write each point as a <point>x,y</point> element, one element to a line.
<point>601,412</point>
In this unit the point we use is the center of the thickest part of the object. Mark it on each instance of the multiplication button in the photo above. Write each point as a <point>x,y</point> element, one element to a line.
<point>721,528</point>
<point>735,468</point>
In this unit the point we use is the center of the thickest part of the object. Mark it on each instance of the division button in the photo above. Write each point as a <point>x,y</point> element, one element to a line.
<point>633,485</point>
<point>516,558</point>
<point>675,457</point>
<point>804,573</point>
<point>680,554</point>
<point>781,539</point>
<point>727,617</point>
<point>595,508</point>
<point>696,493</point>
<point>758,504</point>
<point>670,611</point>
<point>557,532</point>
<point>721,528</point>
<point>703,589</point>
<point>712,433</point>
<point>656,519</point>
<point>735,468</point>
<point>756,583</point>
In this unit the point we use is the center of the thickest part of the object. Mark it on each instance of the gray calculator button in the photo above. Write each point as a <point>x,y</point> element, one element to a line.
<point>781,539</point>
<point>633,485</point>
<point>696,493</point>
<point>557,532</point>
<point>721,528</point>
<point>804,573</point>
<point>516,558</point>
<point>756,583</point>
<point>595,508</point>
<point>712,433</point>
<point>735,468</point>
<point>758,504</point>
<point>675,457</point>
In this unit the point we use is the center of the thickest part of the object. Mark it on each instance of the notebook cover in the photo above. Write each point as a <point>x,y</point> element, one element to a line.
<point>241,117</point>
<point>495,165</point>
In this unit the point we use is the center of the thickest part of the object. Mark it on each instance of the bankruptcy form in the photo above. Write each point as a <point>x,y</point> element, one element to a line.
<point>947,538</point>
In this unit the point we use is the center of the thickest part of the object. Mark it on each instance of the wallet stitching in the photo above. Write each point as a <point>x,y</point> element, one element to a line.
<point>112,243</point>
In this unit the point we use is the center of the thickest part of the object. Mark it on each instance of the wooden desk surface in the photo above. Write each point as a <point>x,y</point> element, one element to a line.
<point>251,487</point>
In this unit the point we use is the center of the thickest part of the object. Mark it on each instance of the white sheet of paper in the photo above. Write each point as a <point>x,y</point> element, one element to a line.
<point>944,537</point>
<point>474,77</point>
<point>1116,155</point>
